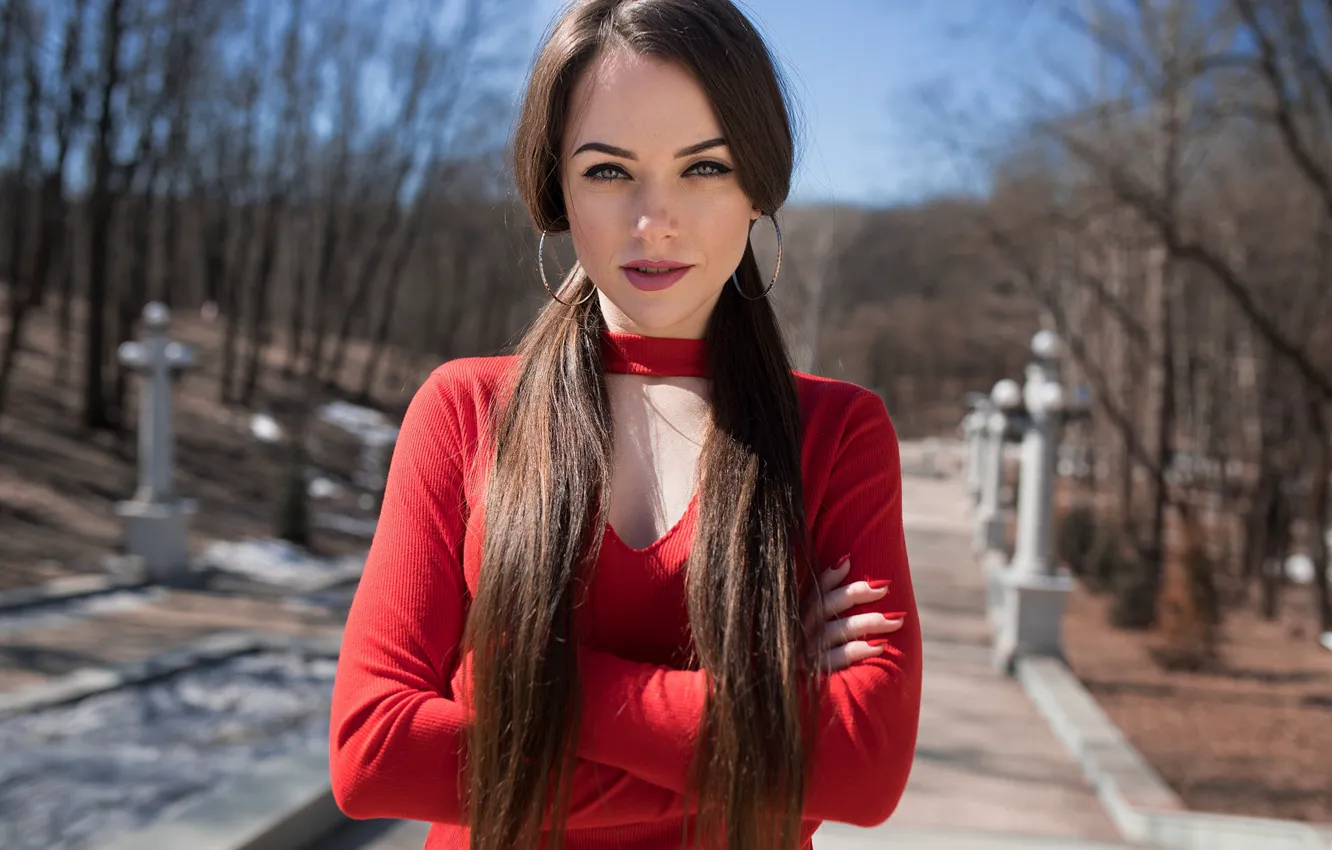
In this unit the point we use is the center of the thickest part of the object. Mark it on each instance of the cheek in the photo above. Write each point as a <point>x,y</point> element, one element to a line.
<point>592,224</point>
<point>723,224</point>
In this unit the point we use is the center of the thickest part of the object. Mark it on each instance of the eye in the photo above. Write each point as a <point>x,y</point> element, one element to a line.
<point>605,172</point>
<point>708,168</point>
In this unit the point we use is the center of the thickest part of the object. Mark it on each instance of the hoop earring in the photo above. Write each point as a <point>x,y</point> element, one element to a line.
<point>541,267</point>
<point>735,278</point>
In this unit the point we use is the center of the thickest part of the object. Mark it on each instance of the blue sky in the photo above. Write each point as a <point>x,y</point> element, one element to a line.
<point>896,96</point>
<point>890,87</point>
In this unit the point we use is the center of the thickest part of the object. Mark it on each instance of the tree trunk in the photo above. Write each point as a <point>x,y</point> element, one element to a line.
<point>296,323</point>
<point>214,232</point>
<point>24,288</point>
<point>231,305</point>
<point>68,269</point>
<point>1320,519</point>
<point>101,209</point>
<point>397,269</point>
<point>1272,566</point>
<point>356,304</point>
<point>321,288</point>
<point>261,292</point>
<point>169,280</point>
<point>1160,397</point>
<point>133,298</point>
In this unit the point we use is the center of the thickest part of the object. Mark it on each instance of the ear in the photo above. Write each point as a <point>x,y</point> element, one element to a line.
<point>755,214</point>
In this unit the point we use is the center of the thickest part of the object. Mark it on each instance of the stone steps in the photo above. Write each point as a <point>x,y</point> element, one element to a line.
<point>91,633</point>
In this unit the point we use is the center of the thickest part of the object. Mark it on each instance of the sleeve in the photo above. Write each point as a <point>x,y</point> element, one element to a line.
<point>645,719</point>
<point>395,733</point>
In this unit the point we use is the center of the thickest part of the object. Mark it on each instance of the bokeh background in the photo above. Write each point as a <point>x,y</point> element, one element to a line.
<point>319,192</point>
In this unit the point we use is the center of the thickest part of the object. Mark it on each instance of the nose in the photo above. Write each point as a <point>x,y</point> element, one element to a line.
<point>654,215</point>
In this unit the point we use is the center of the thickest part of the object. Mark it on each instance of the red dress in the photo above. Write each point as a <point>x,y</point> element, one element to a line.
<point>395,730</point>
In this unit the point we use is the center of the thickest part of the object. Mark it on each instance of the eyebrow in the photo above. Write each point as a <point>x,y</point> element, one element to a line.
<point>624,154</point>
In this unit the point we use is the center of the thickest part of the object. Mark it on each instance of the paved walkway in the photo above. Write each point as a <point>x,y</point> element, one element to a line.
<point>989,774</point>
<point>986,761</point>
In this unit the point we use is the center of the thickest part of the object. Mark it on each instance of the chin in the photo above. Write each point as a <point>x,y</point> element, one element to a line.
<point>659,313</point>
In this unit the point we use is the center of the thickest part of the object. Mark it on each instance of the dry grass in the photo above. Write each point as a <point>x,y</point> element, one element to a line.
<point>1236,720</point>
<point>1248,735</point>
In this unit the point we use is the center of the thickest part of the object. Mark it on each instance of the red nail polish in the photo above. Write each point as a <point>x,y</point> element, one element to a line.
<point>841,562</point>
<point>895,615</point>
<point>879,583</point>
<point>878,642</point>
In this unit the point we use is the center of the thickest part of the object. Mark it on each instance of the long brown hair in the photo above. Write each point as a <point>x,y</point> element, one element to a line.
<point>551,471</point>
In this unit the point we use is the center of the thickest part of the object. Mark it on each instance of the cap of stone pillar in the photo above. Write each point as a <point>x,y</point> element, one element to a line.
<point>1045,345</point>
<point>1006,394</point>
<point>156,315</point>
<point>132,354</point>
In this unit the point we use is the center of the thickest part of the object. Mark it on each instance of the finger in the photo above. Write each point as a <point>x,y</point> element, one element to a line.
<point>859,626</point>
<point>849,596</point>
<point>833,577</point>
<point>842,657</point>
<point>841,599</point>
<point>829,579</point>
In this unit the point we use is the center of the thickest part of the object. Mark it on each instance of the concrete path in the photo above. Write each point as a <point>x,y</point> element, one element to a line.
<point>989,774</point>
<point>986,761</point>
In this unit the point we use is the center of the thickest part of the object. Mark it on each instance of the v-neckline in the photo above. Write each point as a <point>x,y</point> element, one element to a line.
<point>635,354</point>
<point>666,536</point>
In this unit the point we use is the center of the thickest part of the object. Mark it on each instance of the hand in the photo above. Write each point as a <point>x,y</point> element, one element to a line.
<point>837,643</point>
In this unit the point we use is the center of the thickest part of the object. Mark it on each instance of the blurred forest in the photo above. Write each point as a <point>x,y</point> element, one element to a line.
<point>324,185</point>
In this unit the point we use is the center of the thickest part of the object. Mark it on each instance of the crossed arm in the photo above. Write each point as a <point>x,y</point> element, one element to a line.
<point>397,725</point>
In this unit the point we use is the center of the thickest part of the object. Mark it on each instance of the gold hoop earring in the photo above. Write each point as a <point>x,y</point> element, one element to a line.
<point>735,278</point>
<point>541,267</point>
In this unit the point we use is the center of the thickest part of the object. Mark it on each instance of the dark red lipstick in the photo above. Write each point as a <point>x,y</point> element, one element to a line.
<point>654,275</point>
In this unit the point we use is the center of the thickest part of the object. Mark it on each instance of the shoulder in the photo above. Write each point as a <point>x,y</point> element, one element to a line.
<point>457,395</point>
<point>831,408</point>
<point>849,449</point>
<point>466,379</point>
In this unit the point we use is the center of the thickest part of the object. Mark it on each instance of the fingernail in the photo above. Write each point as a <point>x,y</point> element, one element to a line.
<point>896,616</point>
<point>878,642</point>
<point>879,583</point>
<point>846,559</point>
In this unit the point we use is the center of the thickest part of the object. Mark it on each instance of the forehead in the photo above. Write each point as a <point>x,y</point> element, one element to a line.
<point>646,105</point>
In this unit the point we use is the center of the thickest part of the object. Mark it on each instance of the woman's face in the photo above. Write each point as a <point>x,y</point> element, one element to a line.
<point>658,218</point>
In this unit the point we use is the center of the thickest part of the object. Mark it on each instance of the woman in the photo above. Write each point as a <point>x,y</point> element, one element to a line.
<point>638,584</point>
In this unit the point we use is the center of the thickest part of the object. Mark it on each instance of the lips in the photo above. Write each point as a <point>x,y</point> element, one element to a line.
<point>654,275</point>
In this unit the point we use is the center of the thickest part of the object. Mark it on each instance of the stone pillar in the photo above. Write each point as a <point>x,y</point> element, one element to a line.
<point>156,522</point>
<point>973,427</point>
<point>990,522</point>
<point>1034,591</point>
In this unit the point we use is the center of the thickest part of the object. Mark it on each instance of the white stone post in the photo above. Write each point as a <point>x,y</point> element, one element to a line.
<point>973,428</point>
<point>990,521</point>
<point>1034,593</point>
<point>156,522</point>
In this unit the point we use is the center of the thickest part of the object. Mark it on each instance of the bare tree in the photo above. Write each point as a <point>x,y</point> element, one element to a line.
<point>24,285</point>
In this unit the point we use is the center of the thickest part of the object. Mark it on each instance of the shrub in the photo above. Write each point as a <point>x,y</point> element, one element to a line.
<point>1105,560</point>
<point>1090,547</point>
<point>1075,537</point>
<point>1134,583</point>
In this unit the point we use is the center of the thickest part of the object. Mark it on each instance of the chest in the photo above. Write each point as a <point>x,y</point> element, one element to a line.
<point>637,601</point>
<point>659,428</point>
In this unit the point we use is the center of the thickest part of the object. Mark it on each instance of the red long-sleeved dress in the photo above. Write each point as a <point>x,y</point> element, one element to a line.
<point>396,730</point>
